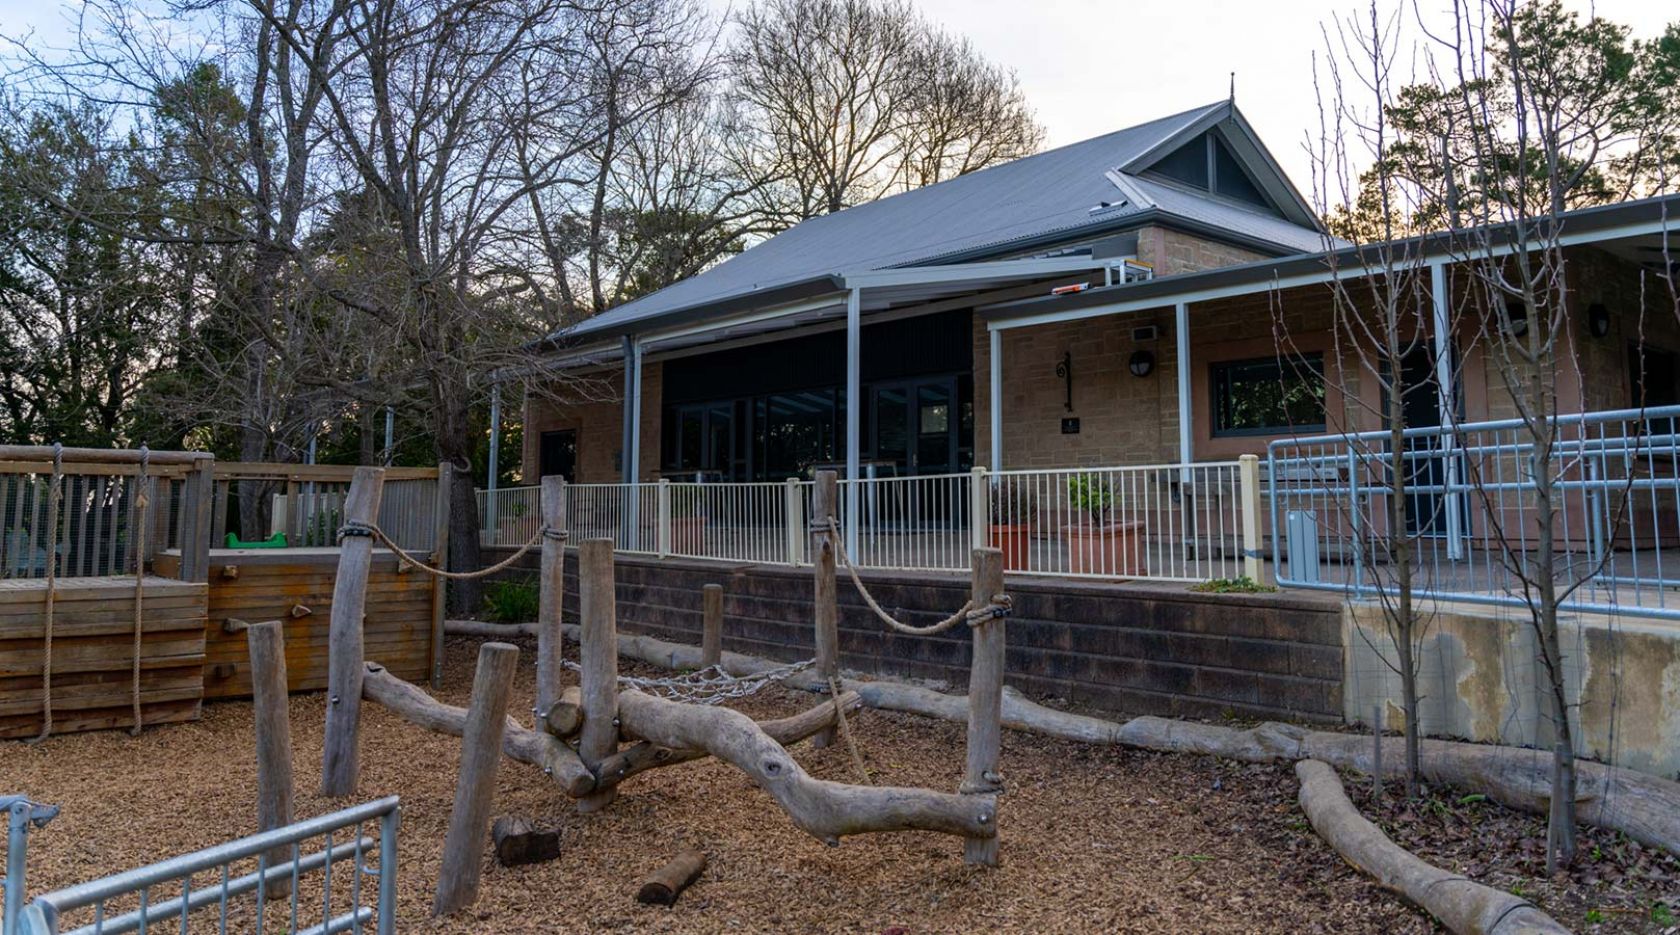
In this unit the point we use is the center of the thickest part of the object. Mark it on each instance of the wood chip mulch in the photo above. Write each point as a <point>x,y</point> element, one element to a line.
<point>1615,885</point>
<point>1095,839</point>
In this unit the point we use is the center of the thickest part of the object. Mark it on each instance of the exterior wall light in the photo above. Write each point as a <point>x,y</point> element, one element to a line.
<point>1598,320</point>
<point>1142,363</point>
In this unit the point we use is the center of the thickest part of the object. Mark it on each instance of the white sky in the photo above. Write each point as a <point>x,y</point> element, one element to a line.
<point>1092,66</point>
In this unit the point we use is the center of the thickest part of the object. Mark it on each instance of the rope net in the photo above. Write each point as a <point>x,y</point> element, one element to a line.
<point>709,686</point>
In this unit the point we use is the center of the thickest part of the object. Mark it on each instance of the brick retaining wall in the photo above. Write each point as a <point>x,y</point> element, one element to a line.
<point>1126,648</point>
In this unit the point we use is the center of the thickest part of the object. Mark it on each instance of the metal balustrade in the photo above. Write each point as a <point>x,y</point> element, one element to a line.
<point>1473,526</point>
<point>1168,522</point>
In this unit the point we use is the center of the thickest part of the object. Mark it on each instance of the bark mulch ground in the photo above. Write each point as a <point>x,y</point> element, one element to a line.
<point>1095,839</point>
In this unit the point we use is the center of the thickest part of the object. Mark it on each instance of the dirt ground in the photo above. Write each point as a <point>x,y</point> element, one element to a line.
<point>1095,839</point>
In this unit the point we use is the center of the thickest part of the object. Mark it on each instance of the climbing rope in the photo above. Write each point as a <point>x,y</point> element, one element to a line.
<point>359,528</point>
<point>55,493</point>
<point>970,612</point>
<point>142,498</point>
<point>845,729</point>
<point>709,686</point>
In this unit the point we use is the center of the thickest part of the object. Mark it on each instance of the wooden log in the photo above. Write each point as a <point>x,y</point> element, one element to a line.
<point>826,810</point>
<point>341,753</point>
<point>266,642</point>
<point>985,699</point>
<point>663,886</point>
<point>787,731</point>
<point>1462,905</point>
<point>564,718</point>
<point>101,455</point>
<point>552,595</point>
<point>1644,807</point>
<point>440,559</point>
<point>825,601</point>
<point>598,609</point>
<point>711,620</point>
<point>517,842</point>
<point>412,704</point>
<point>475,790</point>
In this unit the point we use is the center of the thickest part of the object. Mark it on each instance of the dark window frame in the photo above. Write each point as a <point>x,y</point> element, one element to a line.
<point>1219,385</point>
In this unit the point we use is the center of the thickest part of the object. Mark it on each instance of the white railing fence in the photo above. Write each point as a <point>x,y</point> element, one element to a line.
<point>1178,522</point>
<point>1472,515</point>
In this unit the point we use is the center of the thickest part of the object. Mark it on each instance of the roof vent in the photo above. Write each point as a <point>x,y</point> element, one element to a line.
<point>1102,206</point>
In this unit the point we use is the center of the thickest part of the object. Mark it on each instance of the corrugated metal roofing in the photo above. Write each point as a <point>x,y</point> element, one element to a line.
<point>1030,198</point>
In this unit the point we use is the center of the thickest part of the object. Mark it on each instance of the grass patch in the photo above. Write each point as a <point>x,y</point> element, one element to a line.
<point>1242,585</point>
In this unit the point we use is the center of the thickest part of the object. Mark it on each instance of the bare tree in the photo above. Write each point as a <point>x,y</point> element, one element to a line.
<point>844,101</point>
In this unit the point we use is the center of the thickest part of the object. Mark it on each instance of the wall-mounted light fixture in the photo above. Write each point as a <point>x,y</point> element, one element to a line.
<point>1598,320</point>
<point>1142,363</point>
<point>1064,369</point>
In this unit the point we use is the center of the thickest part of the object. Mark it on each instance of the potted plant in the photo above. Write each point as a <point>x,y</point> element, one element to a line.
<point>1012,513</point>
<point>1096,543</point>
<point>688,524</point>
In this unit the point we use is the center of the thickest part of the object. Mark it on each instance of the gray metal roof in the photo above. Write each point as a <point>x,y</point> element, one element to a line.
<point>1037,199</point>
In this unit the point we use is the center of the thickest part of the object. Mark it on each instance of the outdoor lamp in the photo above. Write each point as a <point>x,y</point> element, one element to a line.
<point>1142,363</point>
<point>1598,320</point>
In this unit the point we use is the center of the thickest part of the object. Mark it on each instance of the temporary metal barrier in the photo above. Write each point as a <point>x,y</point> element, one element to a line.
<point>124,902</point>
<point>1473,523</point>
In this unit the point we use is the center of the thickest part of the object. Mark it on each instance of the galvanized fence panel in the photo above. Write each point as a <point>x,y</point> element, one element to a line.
<point>96,524</point>
<point>234,880</point>
<point>1465,501</point>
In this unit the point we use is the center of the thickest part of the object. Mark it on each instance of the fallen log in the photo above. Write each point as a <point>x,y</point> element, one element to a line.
<point>413,704</point>
<point>826,810</point>
<point>1644,807</point>
<point>663,886</point>
<point>1462,905</point>
<point>787,731</point>
<point>517,842</point>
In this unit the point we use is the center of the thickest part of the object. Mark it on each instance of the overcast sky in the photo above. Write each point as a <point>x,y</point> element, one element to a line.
<point>1091,66</point>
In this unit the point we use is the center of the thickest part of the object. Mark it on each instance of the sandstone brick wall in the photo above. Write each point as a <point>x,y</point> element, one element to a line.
<point>1127,649</point>
<point>600,429</point>
<point>1171,252</point>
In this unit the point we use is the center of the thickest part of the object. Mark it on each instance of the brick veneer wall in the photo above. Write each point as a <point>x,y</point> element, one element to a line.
<point>1127,649</point>
<point>600,428</point>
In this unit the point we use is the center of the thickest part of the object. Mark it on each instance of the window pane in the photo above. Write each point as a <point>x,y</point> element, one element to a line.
<point>1267,396</point>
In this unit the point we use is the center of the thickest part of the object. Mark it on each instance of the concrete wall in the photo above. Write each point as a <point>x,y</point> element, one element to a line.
<point>1123,649</point>
<point>1481,680</point>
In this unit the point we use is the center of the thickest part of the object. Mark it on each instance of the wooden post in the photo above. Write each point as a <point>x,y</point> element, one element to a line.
<point>475,791</point>
<point>218,522</point>
<point>826,609</point>
<point>196,515</point>
<point>267,645</point>
<point>598,608</point>
<point>711,636</point>
<point>341,753</point>
<point>985,700</point>
<point>553,596</point>
<point>440,559</point>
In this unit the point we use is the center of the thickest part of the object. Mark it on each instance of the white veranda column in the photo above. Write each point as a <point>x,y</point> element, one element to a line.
<point>996,398</point>
<point>854,406</point>
<point>1447,399</point>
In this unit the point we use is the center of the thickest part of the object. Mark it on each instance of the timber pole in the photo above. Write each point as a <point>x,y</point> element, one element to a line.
<point>341,753</point>
<point>266,642</point>
<point>826,600</point>
<point>475,791</point>
<point>985,700</point>
<point>553,594</point>
<point>598,608</point>
<point>711,636</point>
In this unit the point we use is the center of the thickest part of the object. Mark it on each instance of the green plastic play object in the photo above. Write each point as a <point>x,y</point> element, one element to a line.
<point>276,541</point>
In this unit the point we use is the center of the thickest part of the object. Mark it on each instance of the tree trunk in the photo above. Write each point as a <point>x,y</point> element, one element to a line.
<point>454,444</point>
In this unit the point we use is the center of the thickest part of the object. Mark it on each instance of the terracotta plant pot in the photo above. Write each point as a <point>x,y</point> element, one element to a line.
<point>1112,550</point>
<point>1013,541</point>
<point>688,535</point>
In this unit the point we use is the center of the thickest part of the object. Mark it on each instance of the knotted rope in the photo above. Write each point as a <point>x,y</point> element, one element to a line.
<point>142,498</point>
<point>970,612</point>
<point>709,686</point>
<point>55,493</point>
<point>359,528</point>
<point>845,728</point>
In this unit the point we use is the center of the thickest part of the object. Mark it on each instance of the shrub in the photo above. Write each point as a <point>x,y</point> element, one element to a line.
<point>511,601</point>
<point>1240,585</point>
<point>1091,495</point>
<point>1012,505</point>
